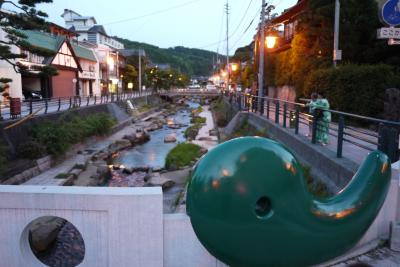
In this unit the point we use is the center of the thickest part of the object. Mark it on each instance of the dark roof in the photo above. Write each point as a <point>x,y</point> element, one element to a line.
<point>290,12</point>
<point>54,43</point>
<point>84,53</point>
<point>98,29</point>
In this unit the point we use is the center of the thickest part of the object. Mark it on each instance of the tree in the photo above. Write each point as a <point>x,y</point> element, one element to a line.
<point>130,75</point>
<point>28,18</point>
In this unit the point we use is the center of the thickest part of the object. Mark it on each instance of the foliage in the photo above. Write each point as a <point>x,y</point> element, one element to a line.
<point>192,131</point>
<point>31,149</point>
<point>344,86</point>
<point>131,75</point>
<point>198,120</point>
<point>144,108</point>
<point>315,187</point>
<point>189,61</point>
<point>62,176</point>
<point>57,136</point>
<point>165,79</point>
<point>182,155</point>
<point>28,18</point>
<point>220,110</point>
<point>312,46</point>
<point>245,129</point>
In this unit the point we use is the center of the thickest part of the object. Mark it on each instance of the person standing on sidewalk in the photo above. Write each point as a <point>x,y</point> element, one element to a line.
<point>312,105</point>
<point>324,119</point>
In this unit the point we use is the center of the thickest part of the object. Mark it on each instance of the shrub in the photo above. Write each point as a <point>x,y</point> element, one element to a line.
<point>57,137</point>
<point>192,131</point>
<point>354,88</point>
<point>31,149</point>
<point>182,155</point>
<point>220,110</point>
<point>198,120</point>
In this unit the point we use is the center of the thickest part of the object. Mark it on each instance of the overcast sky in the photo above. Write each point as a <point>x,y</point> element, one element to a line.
<point>189,23</point>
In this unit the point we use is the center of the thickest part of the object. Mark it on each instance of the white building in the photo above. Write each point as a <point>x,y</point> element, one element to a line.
<point>88,29</point>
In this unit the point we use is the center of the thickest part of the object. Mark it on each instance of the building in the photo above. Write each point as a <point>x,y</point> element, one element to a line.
<point>289,20</point>
<point>65,60</point>
<point>88,30</point>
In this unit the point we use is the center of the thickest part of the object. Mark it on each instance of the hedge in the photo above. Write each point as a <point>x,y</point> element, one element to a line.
<point>356,89</point>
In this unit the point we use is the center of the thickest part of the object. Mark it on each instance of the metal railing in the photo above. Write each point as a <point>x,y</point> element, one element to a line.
<point>53,105</point>
<point>343,130</point>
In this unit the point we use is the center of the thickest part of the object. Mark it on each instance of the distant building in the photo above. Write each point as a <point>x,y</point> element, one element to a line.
<point>88,30</point>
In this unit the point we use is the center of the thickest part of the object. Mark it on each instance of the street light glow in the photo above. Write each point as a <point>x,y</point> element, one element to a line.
<point>235,67</point>
<point>270,41</point>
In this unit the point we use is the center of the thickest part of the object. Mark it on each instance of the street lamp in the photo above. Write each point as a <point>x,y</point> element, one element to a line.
<point>235,67</point>
<point>270,41</point>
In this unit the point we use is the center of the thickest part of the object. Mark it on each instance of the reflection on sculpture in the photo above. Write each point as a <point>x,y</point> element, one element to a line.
<point>249,206</point>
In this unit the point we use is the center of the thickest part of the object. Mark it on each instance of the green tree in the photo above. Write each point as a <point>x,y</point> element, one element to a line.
<point>12,23</point>
<point>131,76</point>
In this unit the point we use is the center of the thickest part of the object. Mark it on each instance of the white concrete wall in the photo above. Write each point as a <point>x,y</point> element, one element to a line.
<point>126,226</point>
<point>120,226</point>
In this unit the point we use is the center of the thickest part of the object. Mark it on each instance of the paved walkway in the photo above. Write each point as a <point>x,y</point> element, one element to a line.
<point>360,142</point>
<point>203,138</point>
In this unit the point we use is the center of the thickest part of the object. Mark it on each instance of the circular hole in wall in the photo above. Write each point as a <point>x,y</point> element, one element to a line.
<point>54,241</point>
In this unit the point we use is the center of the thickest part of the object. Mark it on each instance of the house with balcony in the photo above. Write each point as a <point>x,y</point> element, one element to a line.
<point>289,21</point>
<point>88,29</point>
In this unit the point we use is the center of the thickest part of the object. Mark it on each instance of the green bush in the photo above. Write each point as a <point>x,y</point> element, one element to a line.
<point>31,149</point>
<point>192,131</point>
<point>220,110</point>
<point>182,155</point>
<point>57,136</point>
<point>198,120</point>
<point>356,89</point>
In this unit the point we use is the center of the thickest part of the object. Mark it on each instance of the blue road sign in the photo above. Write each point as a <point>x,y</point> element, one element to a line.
<point>391,12</point>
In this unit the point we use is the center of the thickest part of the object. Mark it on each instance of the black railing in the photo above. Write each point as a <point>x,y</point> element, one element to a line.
<point>53,105</point>
<point>381,135</point>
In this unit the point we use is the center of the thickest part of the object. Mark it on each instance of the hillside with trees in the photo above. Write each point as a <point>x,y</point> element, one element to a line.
<point>189,61</point>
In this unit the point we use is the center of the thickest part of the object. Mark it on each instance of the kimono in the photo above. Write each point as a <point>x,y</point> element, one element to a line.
<point>323,123</point>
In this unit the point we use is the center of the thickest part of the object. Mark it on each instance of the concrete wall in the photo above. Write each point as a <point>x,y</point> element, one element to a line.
<point>125,226</point>
<point>119,226</point>
<point>285,92</point>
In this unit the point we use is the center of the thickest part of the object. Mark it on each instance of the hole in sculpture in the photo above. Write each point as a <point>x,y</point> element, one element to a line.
<point>263,207</point>
<point>56,242</point>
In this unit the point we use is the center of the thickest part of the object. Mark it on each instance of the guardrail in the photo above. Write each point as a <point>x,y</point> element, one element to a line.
<point>189,92</point>
<point>381,135</point>
<point>53,105</point>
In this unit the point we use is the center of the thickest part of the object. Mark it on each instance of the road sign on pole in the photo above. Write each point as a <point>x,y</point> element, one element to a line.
<point>389,33</point>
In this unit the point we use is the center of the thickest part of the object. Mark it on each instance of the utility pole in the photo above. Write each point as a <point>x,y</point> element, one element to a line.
<point>261,61</point>
<point>140,71</point>
<point>337,54</point>
<point>227,44</point>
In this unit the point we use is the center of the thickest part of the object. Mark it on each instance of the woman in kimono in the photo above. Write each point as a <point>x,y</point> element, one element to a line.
<point>324,119</point>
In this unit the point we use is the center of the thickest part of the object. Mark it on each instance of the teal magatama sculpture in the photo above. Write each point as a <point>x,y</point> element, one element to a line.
<point>249,206</point>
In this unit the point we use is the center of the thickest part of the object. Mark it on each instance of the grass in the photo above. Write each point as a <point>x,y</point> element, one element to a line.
<point>221,111</point>
<point>246,129</point>
<point>314,186</point>
<point>62,176</point>
<point>58,136</point>
<point>192,131</point>
<point>182,155</point>
<point>144,108</point>
<point>198,120</point>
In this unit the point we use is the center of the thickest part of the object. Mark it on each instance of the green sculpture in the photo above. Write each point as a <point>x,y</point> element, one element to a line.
<point>249,206</point>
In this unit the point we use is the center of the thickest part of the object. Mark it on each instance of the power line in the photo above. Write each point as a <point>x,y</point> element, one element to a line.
<point>248,27</point>
<point>154,13</point>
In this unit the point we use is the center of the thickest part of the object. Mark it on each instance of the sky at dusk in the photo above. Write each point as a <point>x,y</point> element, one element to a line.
<point>189,23</point>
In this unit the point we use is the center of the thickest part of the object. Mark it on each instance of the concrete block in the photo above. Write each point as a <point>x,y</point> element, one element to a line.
<point>181,246</point>
<point>120,226</point>
<point>395,237</point>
